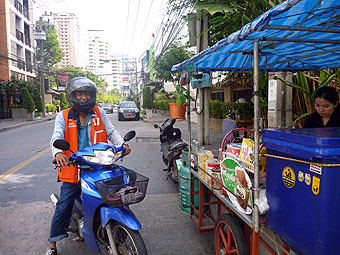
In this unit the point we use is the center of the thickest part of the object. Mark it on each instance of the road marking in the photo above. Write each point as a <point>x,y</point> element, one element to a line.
<point>22,164</point>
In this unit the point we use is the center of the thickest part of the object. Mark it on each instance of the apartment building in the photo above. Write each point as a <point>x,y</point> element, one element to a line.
<point>97,48</point>
<point>16,40</point>
<point>67,28</point>
<point>17,56</point>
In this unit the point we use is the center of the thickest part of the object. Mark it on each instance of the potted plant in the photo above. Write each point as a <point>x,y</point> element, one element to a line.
<point>177,109</point>
<point>147,102</point>
<point>27,103</point>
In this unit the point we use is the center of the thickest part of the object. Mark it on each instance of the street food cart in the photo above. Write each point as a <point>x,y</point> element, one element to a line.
<point>302,165</point>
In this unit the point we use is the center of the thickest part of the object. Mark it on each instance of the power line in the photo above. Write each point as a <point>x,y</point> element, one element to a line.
<point>31,8</point>
<point>147,17</point>
<point>134,27</point>
<point>127,23</point>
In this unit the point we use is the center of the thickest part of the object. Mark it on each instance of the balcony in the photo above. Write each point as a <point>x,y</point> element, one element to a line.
<point>29,66</point>
<point>26,13</point>
<point>20,35</point>
<point>21,64</point>
<point>18,5</point>
<point>28,41</point>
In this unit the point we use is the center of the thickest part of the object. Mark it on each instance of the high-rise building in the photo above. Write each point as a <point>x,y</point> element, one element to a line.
<point>97,50</point>
<point>67,28</point>
<point>16,40</point>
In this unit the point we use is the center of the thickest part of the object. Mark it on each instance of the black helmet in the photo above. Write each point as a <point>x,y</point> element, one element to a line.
<point>82,84</point>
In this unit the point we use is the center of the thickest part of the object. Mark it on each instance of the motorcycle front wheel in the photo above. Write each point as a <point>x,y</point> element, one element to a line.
<point>127,241</point>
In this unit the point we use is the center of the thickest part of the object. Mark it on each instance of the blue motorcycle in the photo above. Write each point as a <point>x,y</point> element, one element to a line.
<point>101,214</point>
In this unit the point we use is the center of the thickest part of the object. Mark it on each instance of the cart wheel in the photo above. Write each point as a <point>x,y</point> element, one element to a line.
<point>229,237</point>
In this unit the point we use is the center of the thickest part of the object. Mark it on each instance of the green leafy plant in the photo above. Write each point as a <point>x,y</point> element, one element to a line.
<point>63,101</point>
<point>27,101</point>
<point>181,95</point>
<point>37,100</point>
<point>306,84</point>
<point>162,104</point>
<point>233,110</point>
<point>50,108</point>
<point>147,98</point>
<point>215,109</point>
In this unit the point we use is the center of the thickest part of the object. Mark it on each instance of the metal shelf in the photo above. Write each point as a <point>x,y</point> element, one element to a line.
<point>225,200</point>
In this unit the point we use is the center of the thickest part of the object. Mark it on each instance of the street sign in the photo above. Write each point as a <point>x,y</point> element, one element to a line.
<point>40,35</point>
<point>62,76</point>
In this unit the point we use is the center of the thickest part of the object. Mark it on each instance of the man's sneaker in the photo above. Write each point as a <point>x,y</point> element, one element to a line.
<point>51,251</point>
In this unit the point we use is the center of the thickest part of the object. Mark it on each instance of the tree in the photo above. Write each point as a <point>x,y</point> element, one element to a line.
<point>226,16</point>
<point>50,50</point>
<point>37,100</point>
<point>28,102</point>
<point>176,53</point>
<point>73,71</point>
<point>63,101</point>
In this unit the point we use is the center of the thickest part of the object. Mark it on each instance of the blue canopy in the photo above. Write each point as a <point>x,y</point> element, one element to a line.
<point>295,35</point>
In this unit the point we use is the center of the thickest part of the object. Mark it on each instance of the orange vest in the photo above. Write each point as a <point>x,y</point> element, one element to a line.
<point>97,133</point>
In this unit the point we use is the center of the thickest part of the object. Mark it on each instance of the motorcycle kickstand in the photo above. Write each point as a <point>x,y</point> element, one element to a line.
<point>112,244</point>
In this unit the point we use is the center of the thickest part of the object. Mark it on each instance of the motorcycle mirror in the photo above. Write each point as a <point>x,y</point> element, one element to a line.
<point>129,135</point>
<point>61,144</point>
<point>155,126</point>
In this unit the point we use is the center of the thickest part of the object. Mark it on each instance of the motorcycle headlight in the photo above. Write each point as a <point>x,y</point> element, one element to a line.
<point>107,157</point>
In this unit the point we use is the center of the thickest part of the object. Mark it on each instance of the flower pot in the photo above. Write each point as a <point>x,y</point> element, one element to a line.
<point>30,115</point>
<point>149,113</point>
<point>19,114</point>
<point>177,112</point>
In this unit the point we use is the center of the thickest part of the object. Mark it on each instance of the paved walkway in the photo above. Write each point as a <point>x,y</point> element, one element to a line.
<point>9,124</point>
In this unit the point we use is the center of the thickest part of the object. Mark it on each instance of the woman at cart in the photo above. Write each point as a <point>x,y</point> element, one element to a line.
<point>327,109</point>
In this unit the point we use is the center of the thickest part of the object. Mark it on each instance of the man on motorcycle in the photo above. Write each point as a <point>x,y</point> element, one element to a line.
<point>82,124</point>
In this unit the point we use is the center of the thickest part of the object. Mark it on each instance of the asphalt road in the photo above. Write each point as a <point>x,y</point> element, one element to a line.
<point>26,212</point>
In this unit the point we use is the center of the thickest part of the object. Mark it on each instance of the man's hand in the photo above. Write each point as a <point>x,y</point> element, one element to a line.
<point>127,149</point>
<point>61,159</point>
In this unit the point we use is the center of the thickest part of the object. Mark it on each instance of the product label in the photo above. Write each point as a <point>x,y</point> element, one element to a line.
<point>238,184</point>
<point>308,179</point>
<point>315,169</point>
<point>301,176</point>
<point>316,185</point>
<point>288,177</point>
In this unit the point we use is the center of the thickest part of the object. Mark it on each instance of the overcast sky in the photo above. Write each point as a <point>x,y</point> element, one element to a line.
<point>128,27</point>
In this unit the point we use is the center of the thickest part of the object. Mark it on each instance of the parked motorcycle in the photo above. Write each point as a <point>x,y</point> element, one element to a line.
<point>101,214</point>
<point>171,147</point>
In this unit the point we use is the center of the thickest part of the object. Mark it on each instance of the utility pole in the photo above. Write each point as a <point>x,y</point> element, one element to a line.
<point>203,127</point>
<point>40,37</point>
<point>136,77</point>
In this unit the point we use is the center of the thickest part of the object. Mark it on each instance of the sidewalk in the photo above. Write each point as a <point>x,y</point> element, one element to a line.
<point>215,137</point>
<point>9,124</point>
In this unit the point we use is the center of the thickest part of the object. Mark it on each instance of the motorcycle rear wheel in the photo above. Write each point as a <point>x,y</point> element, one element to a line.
<point>127,241</point>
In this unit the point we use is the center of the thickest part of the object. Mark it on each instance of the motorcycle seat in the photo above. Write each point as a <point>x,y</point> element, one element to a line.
<point>177,144</point>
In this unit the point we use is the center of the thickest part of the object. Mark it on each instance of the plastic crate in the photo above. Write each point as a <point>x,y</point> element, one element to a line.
<point>123,189</point>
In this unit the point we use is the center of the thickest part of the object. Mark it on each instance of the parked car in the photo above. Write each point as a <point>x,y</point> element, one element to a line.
<point>108,107</point>
<point>100,104</point>
<point>128,110</point>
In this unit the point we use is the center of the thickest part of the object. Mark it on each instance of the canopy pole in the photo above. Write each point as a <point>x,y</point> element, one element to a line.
<point>256,134</point>
<point>189,125</point>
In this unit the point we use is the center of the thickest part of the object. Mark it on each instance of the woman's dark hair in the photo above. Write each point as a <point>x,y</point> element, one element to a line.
<point>328,93</point>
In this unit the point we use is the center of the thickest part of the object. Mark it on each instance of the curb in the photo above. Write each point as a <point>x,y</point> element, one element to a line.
<point>158,120</point>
